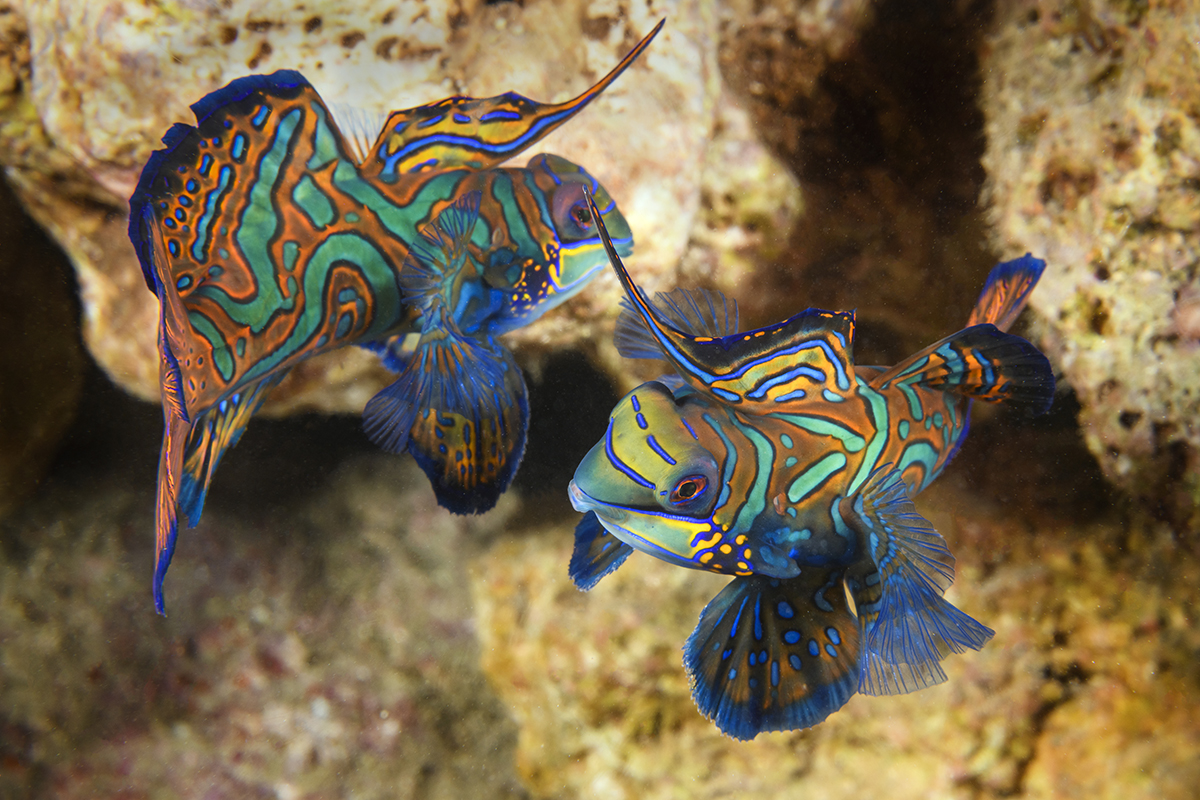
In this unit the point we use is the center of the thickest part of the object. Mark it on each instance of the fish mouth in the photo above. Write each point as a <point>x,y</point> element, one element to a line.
<point>584,502</point>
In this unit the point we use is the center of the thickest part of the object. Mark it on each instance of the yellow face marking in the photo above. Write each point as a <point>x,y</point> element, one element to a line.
<point>726,549</point>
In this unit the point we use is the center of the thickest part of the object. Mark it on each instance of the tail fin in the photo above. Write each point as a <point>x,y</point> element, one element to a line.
<point>1007,288</point>
<point>982,361</point>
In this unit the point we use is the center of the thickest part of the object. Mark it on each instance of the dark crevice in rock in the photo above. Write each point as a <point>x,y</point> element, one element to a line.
<point>569,406</point>
<point>887,142</point>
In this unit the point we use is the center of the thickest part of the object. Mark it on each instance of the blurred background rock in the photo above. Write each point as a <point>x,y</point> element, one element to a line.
<point>335,634</point>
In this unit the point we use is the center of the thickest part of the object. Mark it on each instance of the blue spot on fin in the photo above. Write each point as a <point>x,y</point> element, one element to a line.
<point>597,552</point>
<point>760,676</point>
<point>911,627</point>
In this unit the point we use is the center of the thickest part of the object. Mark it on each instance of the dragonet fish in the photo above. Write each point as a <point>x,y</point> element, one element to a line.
<point>270,234</point>
<point>772,457</point>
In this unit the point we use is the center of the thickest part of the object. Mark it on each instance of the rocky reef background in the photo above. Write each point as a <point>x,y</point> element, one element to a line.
<point>334,634</point>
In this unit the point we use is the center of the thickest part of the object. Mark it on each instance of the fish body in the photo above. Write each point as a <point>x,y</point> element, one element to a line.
<point>773,458</point>
<point>270,235</point>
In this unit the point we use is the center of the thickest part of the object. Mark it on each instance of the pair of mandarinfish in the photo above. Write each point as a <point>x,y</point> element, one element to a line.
<point>269,234</point>
<point>771,457</point>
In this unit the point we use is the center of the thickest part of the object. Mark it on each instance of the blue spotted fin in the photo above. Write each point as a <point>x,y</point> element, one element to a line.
<point>807,356</point>
<point>477,133</point>
<point>774,655</point>
<point>460,408</point>
<point>597,552</point>
<point>909,626</point>
<point>980,362</point>
<point>438,263</point>
<point>459,405</point>
<point>700,312</point>
<point>1006,291</point>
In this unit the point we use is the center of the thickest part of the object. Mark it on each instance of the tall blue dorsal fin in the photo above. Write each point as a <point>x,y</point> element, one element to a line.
<point>478,133</point>
<point>809,355</point>
<point>697,311</point>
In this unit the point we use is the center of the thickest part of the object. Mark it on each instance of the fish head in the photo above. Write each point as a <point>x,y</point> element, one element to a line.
<point>559,251</point>
<point>651,482</point>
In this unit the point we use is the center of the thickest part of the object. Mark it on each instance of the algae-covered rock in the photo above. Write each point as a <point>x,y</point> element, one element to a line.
<point>323,651</point>
<point>1094,161</point>
<point>77,122</point>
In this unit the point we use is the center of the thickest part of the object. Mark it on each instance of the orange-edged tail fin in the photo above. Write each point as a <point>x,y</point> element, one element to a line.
<point>1007,288</point>
<point>982,361</point>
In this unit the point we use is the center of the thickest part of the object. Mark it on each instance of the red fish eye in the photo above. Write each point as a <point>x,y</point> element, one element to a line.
<point>581,216</point>
<point>689,488</point>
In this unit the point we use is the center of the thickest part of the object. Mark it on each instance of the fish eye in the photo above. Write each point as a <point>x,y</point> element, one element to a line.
<point>581,216</point>
<point>688,489</point>
<point>569,209</point>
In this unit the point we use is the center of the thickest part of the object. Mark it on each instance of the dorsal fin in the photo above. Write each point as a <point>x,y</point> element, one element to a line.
<point>805,356</point>
<point>700,312</point>
<point>478,133</point>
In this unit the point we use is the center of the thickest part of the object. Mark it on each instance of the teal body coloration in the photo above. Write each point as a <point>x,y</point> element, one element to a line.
<point>270,235</point>
<point>773,458</point>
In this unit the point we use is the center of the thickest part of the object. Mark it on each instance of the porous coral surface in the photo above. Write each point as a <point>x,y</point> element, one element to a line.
<point>1093,130</point>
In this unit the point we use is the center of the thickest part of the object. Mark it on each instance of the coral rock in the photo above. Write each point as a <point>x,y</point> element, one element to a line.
<point>1094,163</point>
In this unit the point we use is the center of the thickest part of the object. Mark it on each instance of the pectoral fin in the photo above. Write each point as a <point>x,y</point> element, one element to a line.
<point>910,627</point>
<point>597,552</point>
<point>774,655</point>
<point>460,408</point>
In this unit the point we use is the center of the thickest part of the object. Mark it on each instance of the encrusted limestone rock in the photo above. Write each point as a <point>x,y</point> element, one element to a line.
<point>78,120</point>
<point>1093,129</point>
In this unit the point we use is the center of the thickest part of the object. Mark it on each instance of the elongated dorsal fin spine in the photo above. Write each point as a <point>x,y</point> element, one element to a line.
<point>808,355</point>
<point>478,133</point>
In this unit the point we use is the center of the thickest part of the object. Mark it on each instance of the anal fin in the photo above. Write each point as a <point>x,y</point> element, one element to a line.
<point>774,655</point>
